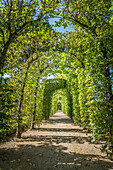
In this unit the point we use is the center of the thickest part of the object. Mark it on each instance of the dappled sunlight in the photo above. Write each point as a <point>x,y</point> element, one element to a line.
<point>56,58</point>
<point>49,156</point>
<point>54,145</point>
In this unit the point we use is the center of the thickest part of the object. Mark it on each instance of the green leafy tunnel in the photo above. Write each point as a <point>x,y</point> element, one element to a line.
<point>55,89</point>
<point>33,47</point>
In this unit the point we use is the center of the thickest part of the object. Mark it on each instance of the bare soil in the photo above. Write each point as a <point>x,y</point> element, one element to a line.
<point>57,144</point>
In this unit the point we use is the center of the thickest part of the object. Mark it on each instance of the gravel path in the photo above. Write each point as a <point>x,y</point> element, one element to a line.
<point>57,145</point>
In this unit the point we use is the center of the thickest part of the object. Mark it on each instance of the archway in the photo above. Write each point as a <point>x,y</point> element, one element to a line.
<point>59,106</point>
<point>51,88</point>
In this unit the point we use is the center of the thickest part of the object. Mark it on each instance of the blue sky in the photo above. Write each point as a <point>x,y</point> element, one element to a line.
<point>60,29</point>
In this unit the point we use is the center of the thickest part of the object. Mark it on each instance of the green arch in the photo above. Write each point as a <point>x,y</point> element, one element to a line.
<point>52,85</point>
<point>59,106</point>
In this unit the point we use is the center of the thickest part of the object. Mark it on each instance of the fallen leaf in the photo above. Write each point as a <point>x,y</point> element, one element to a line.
<point>100,156</point>
<point>56,165</point>
<point>74,160</point>
<point>96,147</point>
<point>41,154</point>
<point>34,166</point>
<point>30,163</point>
<point>88,158</point>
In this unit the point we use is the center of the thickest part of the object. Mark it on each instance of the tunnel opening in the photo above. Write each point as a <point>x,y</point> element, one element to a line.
<point>59,106</point>
<point>56,97</point>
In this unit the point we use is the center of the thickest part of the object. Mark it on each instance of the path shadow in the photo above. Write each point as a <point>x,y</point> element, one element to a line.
<point>59,130</point>
<point>56,121</point>
<point>48,156</point>
<point>57,139</point>
<point>46,152</point>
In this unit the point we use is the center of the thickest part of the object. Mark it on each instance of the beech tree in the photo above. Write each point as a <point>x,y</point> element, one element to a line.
<point>31,50</point>
<point>19,17</point>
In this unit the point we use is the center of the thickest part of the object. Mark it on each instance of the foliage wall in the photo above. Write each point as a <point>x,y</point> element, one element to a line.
<point>51,87</point>
<point>61,96</point>
<point>31,49</point>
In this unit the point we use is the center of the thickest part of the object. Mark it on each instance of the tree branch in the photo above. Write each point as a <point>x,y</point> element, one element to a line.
<point>78,59</point>
<point>2,35</point>
<point>85,26</point>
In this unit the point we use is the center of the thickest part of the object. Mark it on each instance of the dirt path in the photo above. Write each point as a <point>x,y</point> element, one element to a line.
<point>56,145</point>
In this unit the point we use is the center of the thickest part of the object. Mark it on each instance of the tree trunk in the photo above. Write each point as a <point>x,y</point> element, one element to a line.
<point>107,72</point>
<point>34,111</point>
<point>71,100</point>
<point>109,94</point>
<point>1,66</point>
<point>33,120</point>
<point>18,134</point>
<point>4,52</point>
<point>71,107</point>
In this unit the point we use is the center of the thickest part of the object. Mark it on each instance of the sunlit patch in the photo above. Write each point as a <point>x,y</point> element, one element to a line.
<point>65,163</point>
